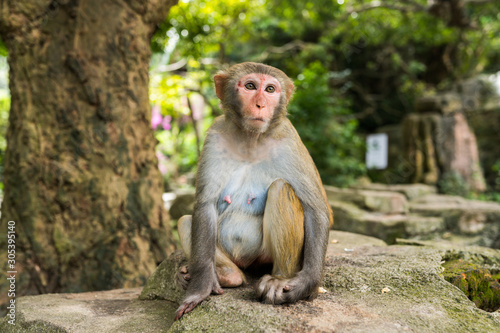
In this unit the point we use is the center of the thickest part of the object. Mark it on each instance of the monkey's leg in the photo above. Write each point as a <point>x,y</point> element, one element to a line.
<point>283,231</point>
<point>228,274</point>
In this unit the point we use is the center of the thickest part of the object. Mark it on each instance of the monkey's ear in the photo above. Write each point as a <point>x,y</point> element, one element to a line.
<point>289,92</point>
<point>220,82</point>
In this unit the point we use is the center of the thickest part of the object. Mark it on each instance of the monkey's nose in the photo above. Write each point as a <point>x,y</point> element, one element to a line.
<point>260,105</point>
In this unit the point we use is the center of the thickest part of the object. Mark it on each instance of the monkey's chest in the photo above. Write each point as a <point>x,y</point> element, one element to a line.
<point>245,191</point>
<point>241,208</point>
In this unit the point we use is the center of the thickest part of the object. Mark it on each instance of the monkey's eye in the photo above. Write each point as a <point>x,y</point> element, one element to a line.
<point>250,86</point>
<point>270,89</point>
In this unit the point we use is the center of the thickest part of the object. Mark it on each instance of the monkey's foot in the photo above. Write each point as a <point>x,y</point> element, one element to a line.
<point>273,290</point>
<point>192,301</point>
<point>227,277</point>
<point>182,277</point>
<point>185,308</point>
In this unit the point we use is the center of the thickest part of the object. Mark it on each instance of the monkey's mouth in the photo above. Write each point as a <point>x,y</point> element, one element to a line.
<point>257,119</point>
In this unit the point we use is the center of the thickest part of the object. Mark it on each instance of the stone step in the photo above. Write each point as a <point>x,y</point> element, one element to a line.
<point>462,216</point>
<point>411,191</point>
<point>388,227</point>
<point>376,201</point>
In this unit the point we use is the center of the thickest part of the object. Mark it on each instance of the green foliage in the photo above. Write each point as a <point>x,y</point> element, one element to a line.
<point>494,192</point>
<point>4,113</point>
<point>3,49</point>
<point>180,99</point>
<point>496,168</point>
<point>220,32</point>
<point>315,111</point>
<point>453,184</point>
<point>359,64</point>
<point>208,30</point>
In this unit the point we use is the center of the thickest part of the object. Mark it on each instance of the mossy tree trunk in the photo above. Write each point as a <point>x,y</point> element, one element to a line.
<point>81,177</point>
<point>438,143</point>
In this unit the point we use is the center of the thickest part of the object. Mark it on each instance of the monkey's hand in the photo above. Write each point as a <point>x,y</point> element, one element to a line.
<point>195,297</point>
<point>182,277</point>
<point>275,290</point>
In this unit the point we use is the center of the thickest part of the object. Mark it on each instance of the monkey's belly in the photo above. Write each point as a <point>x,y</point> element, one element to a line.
<point>240,236</point>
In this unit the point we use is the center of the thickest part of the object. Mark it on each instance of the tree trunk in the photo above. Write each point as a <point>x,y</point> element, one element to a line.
<point>438,142</point>
<point>81,177</point>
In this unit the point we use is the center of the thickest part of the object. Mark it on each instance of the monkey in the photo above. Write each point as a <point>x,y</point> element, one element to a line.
<point>259,198</point>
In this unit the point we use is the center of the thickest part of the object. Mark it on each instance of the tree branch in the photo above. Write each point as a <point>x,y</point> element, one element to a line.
<point>295,44</point>
<point>408,5</point>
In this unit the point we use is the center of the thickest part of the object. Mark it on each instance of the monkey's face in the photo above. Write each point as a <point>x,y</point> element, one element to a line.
<point>259,95</point>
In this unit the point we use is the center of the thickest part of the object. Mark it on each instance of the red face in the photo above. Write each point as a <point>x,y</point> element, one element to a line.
<point>259,95</point>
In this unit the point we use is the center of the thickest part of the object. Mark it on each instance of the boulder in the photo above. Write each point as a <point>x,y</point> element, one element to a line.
<point>444,103</point>
<point>349,217</point>
<point>370,287</point>
<point>377,201</point>
<point>462,216</point>
<point>183,204</point>
<point>417,225</point>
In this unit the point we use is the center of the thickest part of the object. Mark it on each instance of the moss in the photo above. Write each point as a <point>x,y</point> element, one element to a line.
<point>476,282</point>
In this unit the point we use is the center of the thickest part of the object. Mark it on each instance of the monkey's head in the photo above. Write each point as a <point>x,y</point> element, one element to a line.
<point>254,96</point>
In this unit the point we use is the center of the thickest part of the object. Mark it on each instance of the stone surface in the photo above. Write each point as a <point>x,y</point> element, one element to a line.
<point>438,146</point>
<point>370,288</point>
<point>444,103</point>
<point>411,191</point>
<point>377,201</point>
<point>484,256</point>
<point>183,204</point>
<point>348,217</point>
<point>486,125</point>
<point>468,217</point>
<point>106,311</point>
<point>417,225</point>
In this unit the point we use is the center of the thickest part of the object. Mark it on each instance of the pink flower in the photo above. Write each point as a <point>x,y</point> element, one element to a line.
<point>163,168</point>
<point>160,156</point>
<point>156,118</point>
<point>166,123</point>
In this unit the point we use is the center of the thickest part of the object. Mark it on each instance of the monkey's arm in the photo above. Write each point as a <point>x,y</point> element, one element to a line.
<point>316,226</point>
<point>317,221</point>
<point>300,172</point>
<point>203,280</point>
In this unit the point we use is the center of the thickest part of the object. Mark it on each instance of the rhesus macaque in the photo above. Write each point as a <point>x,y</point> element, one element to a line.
<point>259,197</point>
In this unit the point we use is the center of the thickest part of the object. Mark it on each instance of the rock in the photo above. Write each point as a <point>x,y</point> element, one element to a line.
<point>444,103</point>
<point>411,191</point>
<point>159,285</point>
<point>182,205</point>
<point>435,145</point>
<point>480,93</point>
<point>484,256</point>
<point>469,217</point>
<point>377,201</point>
<point>370,288</point>
<point>105,311</point>
<point>417,225</point>
<point>349,217</point>
<point>486,125</point>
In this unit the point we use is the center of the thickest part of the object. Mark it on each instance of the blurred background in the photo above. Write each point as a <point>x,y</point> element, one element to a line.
<point>360,67</point>
<point>391,92</point>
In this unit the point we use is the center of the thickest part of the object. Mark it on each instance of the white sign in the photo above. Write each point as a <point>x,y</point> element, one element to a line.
<point>377,151</point>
